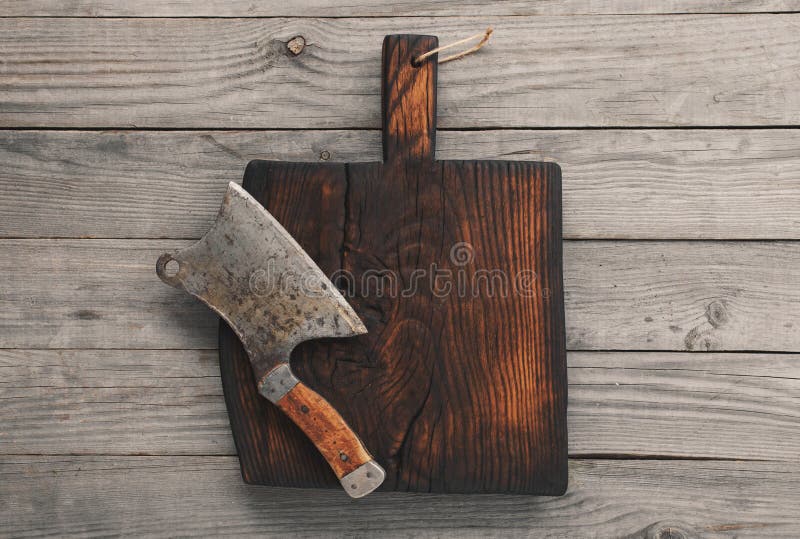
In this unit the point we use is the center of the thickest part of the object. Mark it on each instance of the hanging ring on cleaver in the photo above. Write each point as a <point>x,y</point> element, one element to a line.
<point>250,271</point>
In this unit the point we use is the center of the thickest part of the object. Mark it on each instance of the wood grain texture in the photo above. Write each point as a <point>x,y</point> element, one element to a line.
<point>538,72</point>
<point>113,402</point>
<point>408,386</point>
<point>204,496</point>
<point>643,295</point>
<point>333,8</point>
<point>642,184</point>
<point>169,402</point>
<point>727,405</point>
<point>682,296</point>
<point>79,293</point>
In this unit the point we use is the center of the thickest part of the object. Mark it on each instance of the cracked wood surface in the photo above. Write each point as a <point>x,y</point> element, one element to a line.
<point>606,71</point>
<point>641,184</point>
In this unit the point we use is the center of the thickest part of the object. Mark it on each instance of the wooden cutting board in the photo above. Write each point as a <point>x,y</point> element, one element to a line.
<point>457,387</point>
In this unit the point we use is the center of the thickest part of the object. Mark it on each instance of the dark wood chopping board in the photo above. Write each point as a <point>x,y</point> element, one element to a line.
<point>452,390</point>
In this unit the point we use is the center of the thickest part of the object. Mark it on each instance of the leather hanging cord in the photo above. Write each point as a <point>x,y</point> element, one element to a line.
<point>484,38</point>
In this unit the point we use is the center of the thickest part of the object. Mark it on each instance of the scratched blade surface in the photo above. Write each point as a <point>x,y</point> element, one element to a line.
<point>250,271</point>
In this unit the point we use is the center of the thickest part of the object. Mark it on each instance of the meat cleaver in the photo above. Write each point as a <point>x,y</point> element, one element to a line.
<point>252,273</point>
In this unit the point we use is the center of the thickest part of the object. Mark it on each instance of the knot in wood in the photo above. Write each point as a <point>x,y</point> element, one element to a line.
<point>717,313</point>
<point>664,530</point>
<point>296,45</point>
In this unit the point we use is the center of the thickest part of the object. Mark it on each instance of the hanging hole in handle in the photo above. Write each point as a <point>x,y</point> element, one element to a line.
<point>168,268</point>
<point>171,268</point>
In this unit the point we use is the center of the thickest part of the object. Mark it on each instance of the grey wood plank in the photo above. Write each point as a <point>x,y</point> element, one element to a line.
<point>545,71</point>
<point>204,496</point>
<point>333,8</point>
<point>624,184</point>
<point>638,295</point>
<point>698,405</point>
<point>80,293</point>
<point>142,184</point>
<point>694,296</point>
<point>158,402</point>
<point>170,402</point>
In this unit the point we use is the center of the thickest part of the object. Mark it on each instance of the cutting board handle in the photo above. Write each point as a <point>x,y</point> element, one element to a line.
<point>409,98</point>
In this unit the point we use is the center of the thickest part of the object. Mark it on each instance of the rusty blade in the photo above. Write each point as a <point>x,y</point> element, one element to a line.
<point>250,271</point>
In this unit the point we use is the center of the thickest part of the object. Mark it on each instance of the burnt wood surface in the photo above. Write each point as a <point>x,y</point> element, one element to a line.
<point>455,268</point>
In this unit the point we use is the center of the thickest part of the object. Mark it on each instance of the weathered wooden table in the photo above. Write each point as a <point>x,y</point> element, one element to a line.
<point>677,132</point>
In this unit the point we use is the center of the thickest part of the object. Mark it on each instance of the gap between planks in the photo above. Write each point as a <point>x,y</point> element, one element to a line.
<point>216,129</point>
<point>587,456</point>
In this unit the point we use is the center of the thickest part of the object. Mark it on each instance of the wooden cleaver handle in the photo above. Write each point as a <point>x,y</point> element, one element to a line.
<point>340,446</point>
